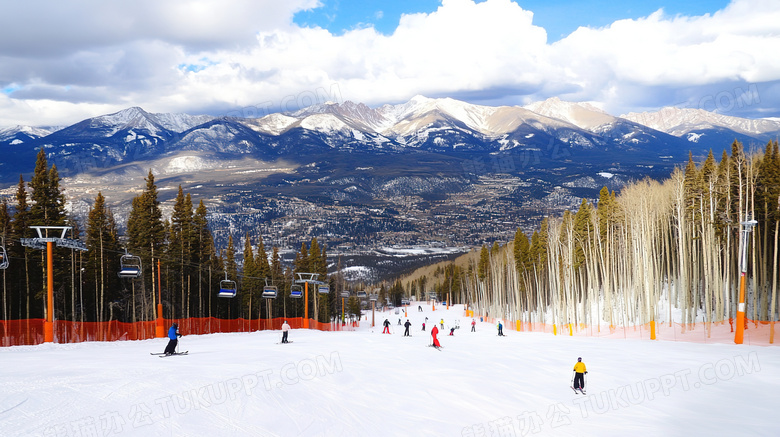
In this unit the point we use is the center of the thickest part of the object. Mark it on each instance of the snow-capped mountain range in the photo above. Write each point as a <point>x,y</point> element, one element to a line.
<point>421,124</point>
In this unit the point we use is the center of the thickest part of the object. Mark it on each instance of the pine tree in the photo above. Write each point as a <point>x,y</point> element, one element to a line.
<point>48,208</point>
<point>20,228</point>
<point>146,234</point>
<point>231,269</point>
<point>5,225</point>
<point>250,285</point>
<point>484,261</point>
<point>261,261</point>
<point>101,265</point>
<point>302,260</point>
<point>583,232</point>
<point>202,253</point>
<point>180,246</point>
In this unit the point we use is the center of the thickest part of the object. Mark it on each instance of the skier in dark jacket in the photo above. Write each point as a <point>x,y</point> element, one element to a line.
<point>173,335</point>
<point>500,328</point>
<point>386,324</point>
<point>407,325</point>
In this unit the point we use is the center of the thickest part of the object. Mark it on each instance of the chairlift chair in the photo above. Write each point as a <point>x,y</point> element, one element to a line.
<point>130,266</point>
<point>373,297</point>
<point>227,288</point>
<point>345,293</point>
<point>270,292</point>
<point>296,291</point>
<point>323,289</point>
<point>361,294</point>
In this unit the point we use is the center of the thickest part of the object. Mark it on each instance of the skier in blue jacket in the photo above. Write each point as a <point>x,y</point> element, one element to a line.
<point>173,335</point>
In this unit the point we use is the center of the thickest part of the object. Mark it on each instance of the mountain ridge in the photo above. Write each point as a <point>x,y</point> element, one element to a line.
<point>441,125</point>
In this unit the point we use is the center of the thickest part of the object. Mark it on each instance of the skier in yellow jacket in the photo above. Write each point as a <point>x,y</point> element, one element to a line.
<point>579,379</point>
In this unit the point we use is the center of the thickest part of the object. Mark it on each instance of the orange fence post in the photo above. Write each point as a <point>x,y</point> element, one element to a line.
<point>739,335</point>
<point>652,330</point>
<point>571,333</point>
<point>306,306</point>
<point>160,328</point>
<point>555,329</point>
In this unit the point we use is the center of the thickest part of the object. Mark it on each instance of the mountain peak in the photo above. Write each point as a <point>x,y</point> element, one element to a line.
<point>680,121</point>
<point>583,115</point>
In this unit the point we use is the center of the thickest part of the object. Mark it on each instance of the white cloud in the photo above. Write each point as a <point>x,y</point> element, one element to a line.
<point>216,56</point>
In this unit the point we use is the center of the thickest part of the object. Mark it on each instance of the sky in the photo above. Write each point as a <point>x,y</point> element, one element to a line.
<point>62,62</point>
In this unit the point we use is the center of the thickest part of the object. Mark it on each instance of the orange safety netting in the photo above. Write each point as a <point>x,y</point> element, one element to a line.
<point>759,333</point>
<point>31,331</point>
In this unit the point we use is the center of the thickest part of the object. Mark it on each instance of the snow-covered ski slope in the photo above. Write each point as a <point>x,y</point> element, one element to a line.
<point>365,383</point>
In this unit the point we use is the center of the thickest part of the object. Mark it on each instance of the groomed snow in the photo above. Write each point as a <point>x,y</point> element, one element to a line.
<point>365,383</point>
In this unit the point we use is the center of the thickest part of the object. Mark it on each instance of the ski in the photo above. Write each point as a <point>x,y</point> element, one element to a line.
<point>575,390</point>
<point>156,353</point>
<point>283,343</point>
<point>582,391</point>
<point>177,353</point>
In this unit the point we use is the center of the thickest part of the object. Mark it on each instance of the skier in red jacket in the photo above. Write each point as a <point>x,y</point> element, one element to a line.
<point>434,332</point>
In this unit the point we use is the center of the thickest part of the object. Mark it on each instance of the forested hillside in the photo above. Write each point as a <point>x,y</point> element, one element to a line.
<point>616,261</point>
<point>179,263</point>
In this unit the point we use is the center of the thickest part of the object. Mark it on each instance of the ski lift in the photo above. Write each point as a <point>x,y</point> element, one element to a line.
<point>227,288</point>
<point>130,266</point>
<point>269,291</point>
<point>3,256</point>
<point>373,297</point>
<point>296,291</point>
<point>323,289</point>
<point>361,294</point>
<point>405,302</point>
<point>345,293</point>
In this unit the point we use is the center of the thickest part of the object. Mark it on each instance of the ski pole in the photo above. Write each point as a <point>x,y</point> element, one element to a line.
<point>572,379</point>
<point>585,384</point>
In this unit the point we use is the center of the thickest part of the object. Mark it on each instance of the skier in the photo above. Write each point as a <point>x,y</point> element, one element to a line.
<point>434,332</point>
<point>407,325</point>
<point>419,308</point>
<point>452,331</point>
<point>173,335</point>
<point>473,325</point>
<point>442,324</point>
<point>285,331</point>
<point>579,378</point>
<point>500,329</point>
<point>423,326</point>
<point>399,322</point>
<point>386,323</point>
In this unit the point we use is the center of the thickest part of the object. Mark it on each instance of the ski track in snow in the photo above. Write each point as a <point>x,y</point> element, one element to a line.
<point>365,383</point>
